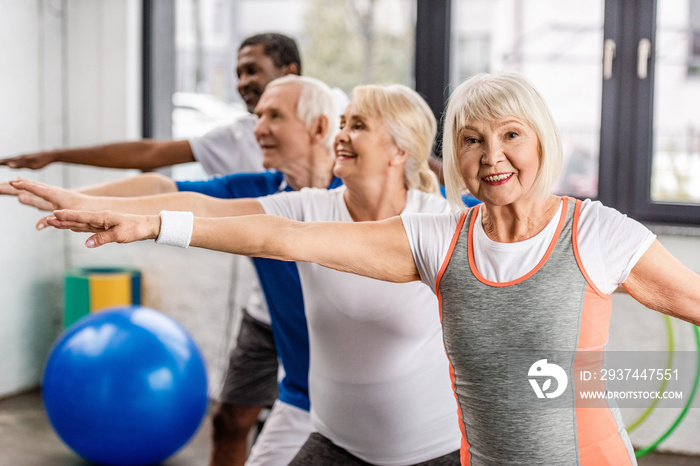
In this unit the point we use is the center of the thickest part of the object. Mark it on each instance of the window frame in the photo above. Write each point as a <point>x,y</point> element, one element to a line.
<point>157,68</point>
<point>626,137</point>
<point>626,149</point>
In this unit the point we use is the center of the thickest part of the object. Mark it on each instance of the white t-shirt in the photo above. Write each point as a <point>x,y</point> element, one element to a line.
<point>610,244</point>
<point>229,149</point>
<point>379,378</point>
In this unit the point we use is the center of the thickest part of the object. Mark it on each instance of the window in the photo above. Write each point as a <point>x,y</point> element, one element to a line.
<point>650,159</point>
<point>345,43</point>
<point>676,146</point>
<point>478,48</point>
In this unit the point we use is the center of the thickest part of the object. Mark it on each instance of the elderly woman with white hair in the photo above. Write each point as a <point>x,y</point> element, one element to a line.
<point>526,272</point>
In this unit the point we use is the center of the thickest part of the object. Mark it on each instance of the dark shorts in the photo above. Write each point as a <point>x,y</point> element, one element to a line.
<point>319,451</point>
<point>251,378</point>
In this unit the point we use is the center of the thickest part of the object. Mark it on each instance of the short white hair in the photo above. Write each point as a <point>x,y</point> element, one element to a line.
<point>315,99</point>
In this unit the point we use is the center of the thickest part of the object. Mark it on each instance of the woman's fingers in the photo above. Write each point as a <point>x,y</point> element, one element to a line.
<point>79,227</point>
<point>8,190</point>
<point>39,195</point>
<point>109,227</point>
<point>43,222</point>
<point>82,215</point>
<point>86,222</point>
<point>104,237</point>
<point>67,219</point>
<point>33,200</point>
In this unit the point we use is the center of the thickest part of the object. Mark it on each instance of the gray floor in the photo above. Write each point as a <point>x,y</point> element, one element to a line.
<point>27,439</point>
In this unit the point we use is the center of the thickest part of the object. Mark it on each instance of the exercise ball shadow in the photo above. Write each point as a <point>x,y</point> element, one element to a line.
<point>125,386</point>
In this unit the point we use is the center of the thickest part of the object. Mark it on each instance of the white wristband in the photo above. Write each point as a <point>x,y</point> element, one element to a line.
<point>175,228</point>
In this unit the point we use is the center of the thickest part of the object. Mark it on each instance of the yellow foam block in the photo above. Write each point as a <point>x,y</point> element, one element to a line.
<point>107,290</point>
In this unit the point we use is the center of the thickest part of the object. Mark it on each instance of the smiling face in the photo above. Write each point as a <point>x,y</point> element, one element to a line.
<point>363,147</point>
<point>499,159</point>
<point>282,135</point>
<point>255,70</point>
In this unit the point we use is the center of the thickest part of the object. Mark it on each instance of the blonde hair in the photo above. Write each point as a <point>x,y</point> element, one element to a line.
<point>410,122</point>
<point>315,99</point>
<point>489,97</point>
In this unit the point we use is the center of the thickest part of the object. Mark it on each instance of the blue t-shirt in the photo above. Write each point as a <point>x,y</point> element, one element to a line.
<point>279,281</point>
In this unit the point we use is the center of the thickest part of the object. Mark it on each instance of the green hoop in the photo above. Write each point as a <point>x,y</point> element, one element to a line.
<point>664,436</point>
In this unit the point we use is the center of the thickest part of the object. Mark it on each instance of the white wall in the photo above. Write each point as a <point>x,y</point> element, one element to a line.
<point>31,263</point>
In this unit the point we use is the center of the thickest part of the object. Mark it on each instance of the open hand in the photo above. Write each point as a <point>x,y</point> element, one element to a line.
<point>33,161</point>
<point>107,226</point>
<point>25,197</point>
<point>44,196</point>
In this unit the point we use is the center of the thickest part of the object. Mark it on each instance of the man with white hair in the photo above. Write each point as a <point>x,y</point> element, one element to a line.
<point>296,125</point>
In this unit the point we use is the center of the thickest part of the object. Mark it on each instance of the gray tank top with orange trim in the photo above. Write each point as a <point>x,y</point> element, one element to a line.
<point>494,336</point>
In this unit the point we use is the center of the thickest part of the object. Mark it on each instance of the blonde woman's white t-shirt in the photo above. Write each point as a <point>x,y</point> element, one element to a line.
<point>609,242</point>
<point>379,378</point>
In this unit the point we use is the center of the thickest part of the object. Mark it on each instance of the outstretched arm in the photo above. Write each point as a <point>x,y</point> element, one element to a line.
<point>146,184</point>
<point>374,249</point>
<point>660,282</point>
<point>143,155</point>
<point>48,197</point>
<point>26,198</point>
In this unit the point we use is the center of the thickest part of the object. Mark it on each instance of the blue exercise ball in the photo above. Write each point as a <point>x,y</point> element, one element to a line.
<point>125,386</point>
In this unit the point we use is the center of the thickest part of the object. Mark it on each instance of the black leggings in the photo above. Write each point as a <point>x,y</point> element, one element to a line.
<point>319,451</point>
